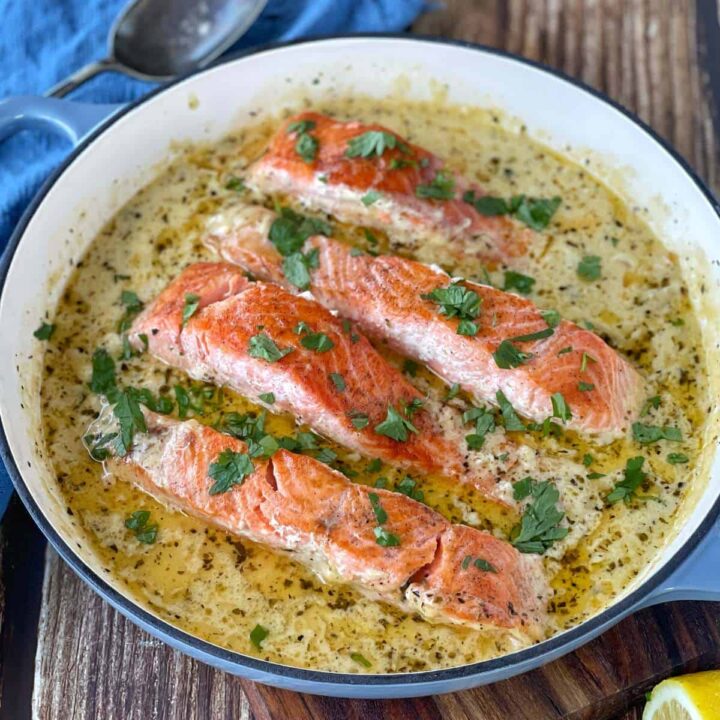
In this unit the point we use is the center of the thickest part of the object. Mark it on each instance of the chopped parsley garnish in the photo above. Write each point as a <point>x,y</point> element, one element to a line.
<point>133,306</point>
<point>374,465</point>
<point>677,458</point>
<point>356,252</point>
<point>551,317</point>
<point>536,213</point>
<point>326,455</point>
<point>380,514</point>
<point>565,350</point>
<point>595,475</point>
<point>456,300</point>
<point>585,386</point>
<point>161,404</point>
<point>263,347</point>
<point>268,398</point>
<point>507,356</point>
<point>138,523</point>
<point>408,486</point>
<point>413,406</point>
<point>584,360</point>
<point>442,187</point>
<point>359,420</point>
<point>306,146</point>
<point>319,342</point>
<point>479,563</point>
<point>589,268</point>
<point>103,380</point>
<point>530,337</point>
<point>229,469</point>
<point>395,426</point>
<point>192,303</point>
<point>373,142</point>
<point>385,538</point>
<point>288,234</point>
<point>130,418</point>
<point>381,482</point>
<point>510,418</point>
<point>522,488</point>
<point>360,659</point>
<point>301,126</point>
<point>410,367</point>
<point>44,332</point>
<point>647,434</point>
<point>338,381</point>
<point>257,635</point>
<point>653,402</point>
<point>539,527</point>
<point>517,281</point>
<point>587,460</point>
<point>633,478</point>
<point>235,183</point>
<point>677,322</point>
<point>453,391</point>
<point>484,424</point>
<point>370,197</point>
<point>560,408</point>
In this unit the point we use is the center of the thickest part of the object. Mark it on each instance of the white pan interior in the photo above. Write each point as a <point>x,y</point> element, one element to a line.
<point>124,158</point>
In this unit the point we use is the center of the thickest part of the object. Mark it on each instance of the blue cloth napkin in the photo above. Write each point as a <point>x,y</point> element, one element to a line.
<point>43,41</point>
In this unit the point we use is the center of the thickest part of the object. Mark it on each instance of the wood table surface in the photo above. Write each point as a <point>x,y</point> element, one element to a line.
<point>66,655</point>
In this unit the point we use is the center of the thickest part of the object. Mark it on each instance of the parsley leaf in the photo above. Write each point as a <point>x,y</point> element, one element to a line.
<point>585,386</point>
<point>551,317</point>
<point>372,142</point>
<point>647,434</point>
<point>522,488</point>
<point>297,266</point>
<point>408,486</point>
<point>589,268</point>
<point>138,523</point>
<point>507,356</point>
<point>360,659</point>
<point>103,380</point>
<point>133,306</point>
<point>560,408</point>
<point>484,423</point>
<point>517,281</point>
<point>511,420</point>
<point>257,635</point>
<point>653,402</point>
<point>229,469</point>
<point>263,347</point>
<point>306,146</point>
<point>235,183</point>
<point>268,398</point>
<point>44,332</point>
<point>319,342</point>
<point>359,420</point>
<point>290,230</point>
<point>633,478</point>
<point>536,213</point>
<point>395,426</point>
<point>456,300</point>
<point>385,538</point>
<point>539,527</point>
<point>370,197</point>
<point>130,417</point>
<point>442,187</point>
<point>453,391</point>
<point>192,302</point>
<point>338,381</point>
<point>484,565</point>
<point>301,126</point>
<point>677,458</point>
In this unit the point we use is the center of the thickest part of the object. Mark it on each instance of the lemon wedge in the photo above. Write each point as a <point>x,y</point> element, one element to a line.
<point>690,697</point>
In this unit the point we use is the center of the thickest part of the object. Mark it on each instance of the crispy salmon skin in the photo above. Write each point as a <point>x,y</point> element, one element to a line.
<point>366,174</point>
<point>541,365</point>
<point>385,544</point>
<point>257,338</point>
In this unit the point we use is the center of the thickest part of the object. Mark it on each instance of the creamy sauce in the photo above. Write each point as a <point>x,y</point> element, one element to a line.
<point>219,587</point>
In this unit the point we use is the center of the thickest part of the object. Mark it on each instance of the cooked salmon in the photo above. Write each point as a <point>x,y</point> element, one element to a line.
<point>595,389</point>
<point>257,338</point>
<point>368,175</point>
<point>385,544</point>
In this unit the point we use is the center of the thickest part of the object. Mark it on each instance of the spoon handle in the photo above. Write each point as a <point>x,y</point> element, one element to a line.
<point>82,75</point>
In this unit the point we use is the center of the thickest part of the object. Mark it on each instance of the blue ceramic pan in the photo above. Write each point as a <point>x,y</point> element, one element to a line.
<point>117,151</point>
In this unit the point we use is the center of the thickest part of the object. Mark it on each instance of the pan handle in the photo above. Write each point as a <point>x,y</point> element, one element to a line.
<point>73,119</point>
<point>696,578</point>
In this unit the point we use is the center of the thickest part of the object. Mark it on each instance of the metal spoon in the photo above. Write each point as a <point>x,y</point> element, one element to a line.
<point>160,39</point>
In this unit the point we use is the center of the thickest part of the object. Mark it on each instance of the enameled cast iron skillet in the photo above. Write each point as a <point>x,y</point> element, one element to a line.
<point>115,159</point>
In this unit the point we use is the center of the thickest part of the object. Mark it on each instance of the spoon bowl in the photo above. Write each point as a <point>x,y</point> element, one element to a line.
<point>160,39</point>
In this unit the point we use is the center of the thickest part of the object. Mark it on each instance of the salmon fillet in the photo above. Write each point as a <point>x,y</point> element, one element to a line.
<point>345,392</point>
<point>298,505</point>
<point>399,188</point>
<point>387,297</point>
